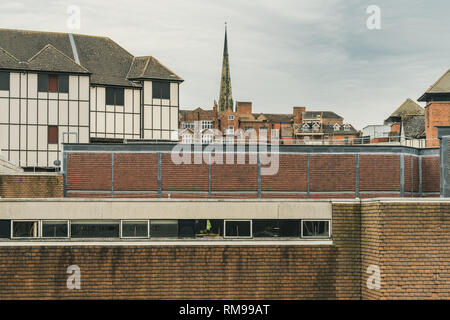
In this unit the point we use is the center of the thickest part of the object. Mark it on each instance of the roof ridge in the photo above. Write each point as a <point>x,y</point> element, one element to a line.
<point>131,66</point>
<point>146,65</point>
<point>49,46</point>
<point>9,54</point>
<point>55,32</point>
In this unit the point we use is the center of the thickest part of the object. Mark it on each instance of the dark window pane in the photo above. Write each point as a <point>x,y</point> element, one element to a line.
<point>164,229</point>
<point>237,228</point>
<point>52,134</point>
<point>186,228</point>
<point>319,229</point>
<point>54,229</point>
<point>5,229</point>
<point>52,83</point>
<point>165,90</point>
<point>135,229</point>
<point>109,96</point>
<point>119,96</point>
<point>208,228</point>
<point>161,90</point>
<point>94,229</point>
<point>4,80</point>
<point>289,228</point>
<point>63,83</point>
<point>42,82</point>
<point>156,89</point>
<point>265,228</point>
<point>25,229</point>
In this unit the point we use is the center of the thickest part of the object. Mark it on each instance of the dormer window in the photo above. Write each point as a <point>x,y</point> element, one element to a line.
<point>336,127</point>
<point>316,126</point>
<point>347,127</point>
<point>305,127</point>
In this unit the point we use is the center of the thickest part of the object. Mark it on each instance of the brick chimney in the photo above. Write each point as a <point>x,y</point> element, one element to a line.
<point>298,114</point>
<point>243,107</point>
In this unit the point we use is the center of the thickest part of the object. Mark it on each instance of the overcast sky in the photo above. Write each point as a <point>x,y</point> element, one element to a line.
<point>283,53</point>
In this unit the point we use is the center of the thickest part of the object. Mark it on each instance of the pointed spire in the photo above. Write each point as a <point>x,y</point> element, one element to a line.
<point>226,98</point>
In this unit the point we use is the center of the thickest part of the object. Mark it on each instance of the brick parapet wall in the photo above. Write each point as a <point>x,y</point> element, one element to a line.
<point>31,186</point>
<point>323,176</point>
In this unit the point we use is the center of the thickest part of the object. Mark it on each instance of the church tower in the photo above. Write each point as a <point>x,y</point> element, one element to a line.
<point>226,98</point>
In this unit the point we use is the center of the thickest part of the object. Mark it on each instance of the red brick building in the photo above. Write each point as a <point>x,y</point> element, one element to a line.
<point>437,110</point>
<point>300,127</point>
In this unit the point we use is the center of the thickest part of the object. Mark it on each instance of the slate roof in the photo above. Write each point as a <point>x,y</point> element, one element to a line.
<point>442,85</point>
<point>108,63</point>
<point>279,118</point>
<point>408,107</point>
<point>150,67</point>
<point>324,114</point>
<point>51,59</point>
<point>414,126</point>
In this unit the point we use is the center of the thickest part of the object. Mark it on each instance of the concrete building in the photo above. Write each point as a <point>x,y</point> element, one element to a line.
<point>60,87</point>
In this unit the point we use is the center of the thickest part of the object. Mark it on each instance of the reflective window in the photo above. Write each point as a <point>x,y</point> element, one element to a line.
<point>164,228</point>
<point>94,229</point>
<point>25,229</point>
<point>135,229</point>
<point>55,229</point>
<point>315,229</point>
<point>208,228</point>
<point>238,229</point>
<point>276,228</point>
<point>186,228</point>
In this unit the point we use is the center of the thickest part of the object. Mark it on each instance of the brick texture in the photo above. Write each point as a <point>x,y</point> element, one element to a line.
<point>31,186</point>
<point>216,272</point>
<point>89,171</point>
<point>379,172</point>
<point>332,173</point>
<point>411,244</point>
<point>331,176</point>
<point>133,172</point>
<point>431,176</point>
<point>291,175</point>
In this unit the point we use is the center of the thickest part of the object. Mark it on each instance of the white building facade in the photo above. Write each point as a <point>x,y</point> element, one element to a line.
<point>58,87</point>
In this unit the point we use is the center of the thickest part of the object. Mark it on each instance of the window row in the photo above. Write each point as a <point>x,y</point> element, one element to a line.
<point>181,229</point>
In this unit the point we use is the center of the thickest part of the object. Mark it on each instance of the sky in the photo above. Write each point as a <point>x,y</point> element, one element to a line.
<point>283,53</point>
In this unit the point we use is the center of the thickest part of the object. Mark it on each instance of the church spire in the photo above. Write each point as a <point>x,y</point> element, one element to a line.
<point>226,98</point>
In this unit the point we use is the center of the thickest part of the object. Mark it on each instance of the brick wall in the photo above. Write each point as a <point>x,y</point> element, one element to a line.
<point>330,176</point>
<point>123,272</point>
<point>31,186</point>
<point>436,114</point>
<point>431,175</point>
<point>410,242</point>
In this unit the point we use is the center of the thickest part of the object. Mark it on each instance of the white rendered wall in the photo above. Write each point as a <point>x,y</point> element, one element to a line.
<point>25,115</point>
<point>120,122</point>
<point>160,115</point>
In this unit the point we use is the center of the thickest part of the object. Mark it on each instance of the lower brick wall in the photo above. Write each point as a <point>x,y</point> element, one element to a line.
<point>31,186</point>
<point>222,272</point>
<point>411,244</point>
<point>408,240</point>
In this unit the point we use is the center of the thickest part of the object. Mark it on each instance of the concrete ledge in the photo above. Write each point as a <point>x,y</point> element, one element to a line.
<point>182,243</point>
